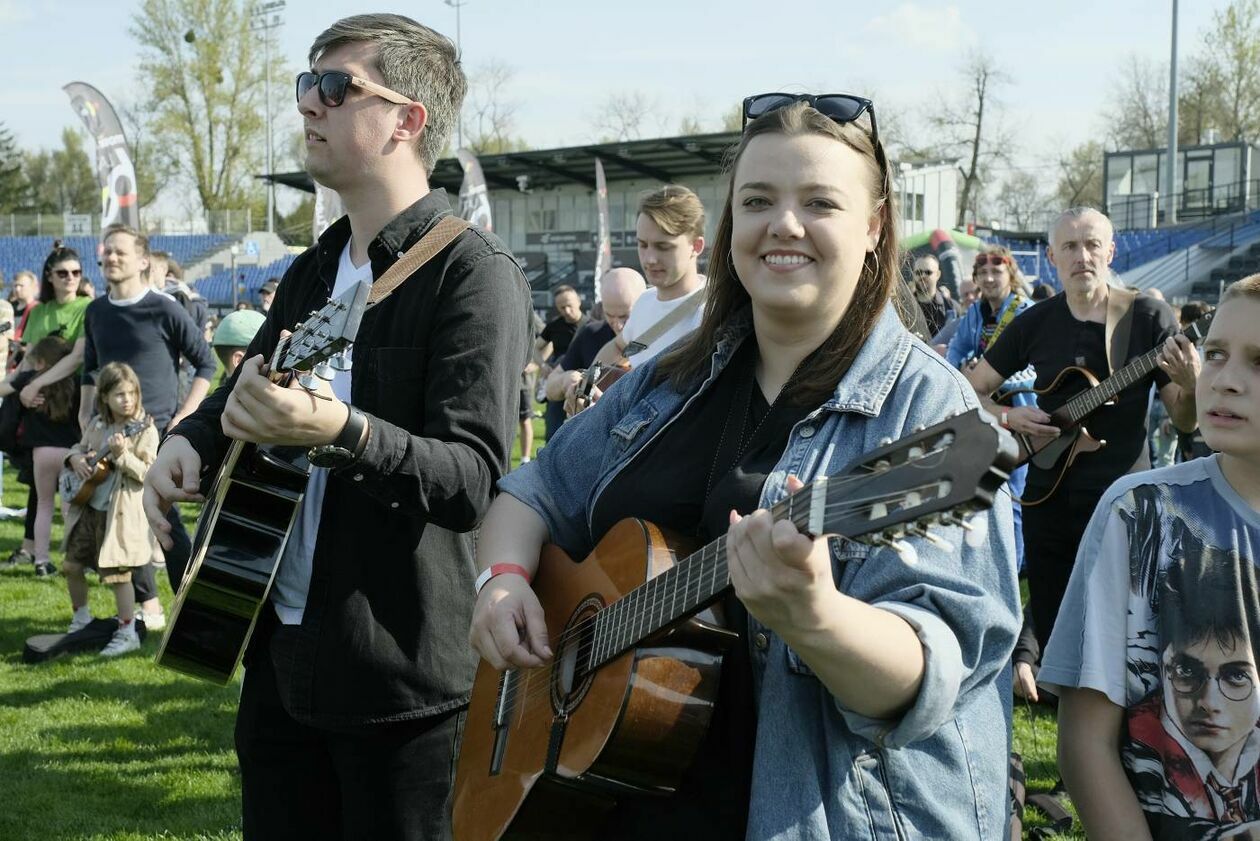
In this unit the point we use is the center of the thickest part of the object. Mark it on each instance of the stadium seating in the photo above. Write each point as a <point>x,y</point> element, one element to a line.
<point>217,288</point>
<point>29,252</point>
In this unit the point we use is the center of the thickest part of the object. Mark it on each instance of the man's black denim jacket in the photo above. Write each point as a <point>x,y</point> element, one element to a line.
<point>437,370</point>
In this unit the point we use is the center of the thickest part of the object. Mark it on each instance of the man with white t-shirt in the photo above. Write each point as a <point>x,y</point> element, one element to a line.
<point>359,671</point>
<point>670,232</point>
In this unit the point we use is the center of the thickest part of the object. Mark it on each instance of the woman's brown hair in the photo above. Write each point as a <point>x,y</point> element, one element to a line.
<point>60,398</point>
<point>725,294</point>
<point>109,378</point>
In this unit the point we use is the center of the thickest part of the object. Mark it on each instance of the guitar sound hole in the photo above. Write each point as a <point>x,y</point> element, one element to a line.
<point>571,675</point>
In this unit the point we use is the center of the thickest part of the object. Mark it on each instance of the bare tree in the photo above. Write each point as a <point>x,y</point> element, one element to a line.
<point>1137,106</point>
<point>489,115</point>
<point>621,115</point>
<point>1021,201</point>
<point>970,128</point>
<point>1081,176</point>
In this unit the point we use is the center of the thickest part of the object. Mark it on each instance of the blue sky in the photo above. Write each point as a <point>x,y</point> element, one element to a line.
<point>686,57</point>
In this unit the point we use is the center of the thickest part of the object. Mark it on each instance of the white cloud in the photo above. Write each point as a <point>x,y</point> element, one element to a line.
<point>15,11</point>
<point>923,27</point>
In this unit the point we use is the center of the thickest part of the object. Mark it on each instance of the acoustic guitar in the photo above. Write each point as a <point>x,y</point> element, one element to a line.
<point>249,513</point>
<point>626,700</point>
<point>598,376</point>
<point>1074,437</point>
<point>76,490</point>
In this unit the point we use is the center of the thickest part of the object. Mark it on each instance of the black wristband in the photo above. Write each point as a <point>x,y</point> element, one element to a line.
<point>351,437</point>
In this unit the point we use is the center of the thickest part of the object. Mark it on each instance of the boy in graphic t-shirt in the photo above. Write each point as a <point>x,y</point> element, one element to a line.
<point>1155,649</point>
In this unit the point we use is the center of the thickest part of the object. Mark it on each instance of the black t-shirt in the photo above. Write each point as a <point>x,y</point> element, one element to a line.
<point>667,484</point>
<point>935,312</point>
<point>1050,338</point>
<point>560,333</point>
<point>587,342</point>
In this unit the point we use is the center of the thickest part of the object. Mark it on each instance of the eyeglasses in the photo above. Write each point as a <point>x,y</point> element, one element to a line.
<point>841,107</point>
<point>1188,679</point>
<point>332,86</point>
<point>66,274</point>
<point>923,272</point>
<point>990,260</point>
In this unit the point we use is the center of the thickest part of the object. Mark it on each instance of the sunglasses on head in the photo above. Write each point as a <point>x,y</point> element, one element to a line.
<point>332,85</point>
<point>65,274</point>
<point>841,107</point>
<point>990,260</point>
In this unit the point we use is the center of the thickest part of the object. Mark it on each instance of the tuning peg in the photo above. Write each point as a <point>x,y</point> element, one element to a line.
<point>324,371</point>
<point>931,537</point>
<point>885,441</point>
<point>977,532</point>
<point>341,360</point>
<point>905,551</point>
<point>308,382</point>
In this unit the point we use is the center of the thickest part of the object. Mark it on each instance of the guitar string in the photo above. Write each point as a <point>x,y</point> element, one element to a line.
<point>781,510</point>
<point>717,567</point>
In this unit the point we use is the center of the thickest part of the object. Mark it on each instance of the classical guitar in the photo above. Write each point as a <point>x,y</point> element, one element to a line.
<point>626,700</point>
<point>76,490</point>
<point>1074,438</point>
<point>249,513</point>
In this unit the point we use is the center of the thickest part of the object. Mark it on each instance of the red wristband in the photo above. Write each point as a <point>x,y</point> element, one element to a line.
<point>500,569</point>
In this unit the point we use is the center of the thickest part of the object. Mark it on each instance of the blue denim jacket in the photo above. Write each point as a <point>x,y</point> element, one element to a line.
<point>822,771</point>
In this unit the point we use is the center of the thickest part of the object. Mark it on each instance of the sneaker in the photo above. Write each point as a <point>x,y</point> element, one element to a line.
<point>124,639</point>
<point>152,621</point>
<point>17,558</point>
<point>79,621</point>
<point>45,568</point>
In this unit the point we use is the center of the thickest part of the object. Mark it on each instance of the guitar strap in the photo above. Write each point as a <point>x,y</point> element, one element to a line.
<point>665,323</point>
<point>429,246</point>
<point>1119,326</point>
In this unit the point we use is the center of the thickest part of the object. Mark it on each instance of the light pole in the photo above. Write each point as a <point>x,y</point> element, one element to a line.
<point>1170,213</point>
<point>459,54</point>
<point>266,18</point>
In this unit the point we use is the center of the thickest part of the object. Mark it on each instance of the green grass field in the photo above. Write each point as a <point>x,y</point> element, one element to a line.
<point>125,751</point>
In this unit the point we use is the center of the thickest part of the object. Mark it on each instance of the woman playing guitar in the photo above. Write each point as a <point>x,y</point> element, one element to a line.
<point>856,672</point>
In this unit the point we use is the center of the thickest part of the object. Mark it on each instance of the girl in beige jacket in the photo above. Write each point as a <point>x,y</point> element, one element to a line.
<point>109,532</point>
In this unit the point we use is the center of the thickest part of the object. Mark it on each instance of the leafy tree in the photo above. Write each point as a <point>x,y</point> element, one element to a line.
<point>12,181</point>
<point>62,180</point>
<point>1230,59</point>
<point>203,69</point>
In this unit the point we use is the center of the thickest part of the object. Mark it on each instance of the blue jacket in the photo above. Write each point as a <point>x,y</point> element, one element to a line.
<point>964,345</point>
<point>822,771</point>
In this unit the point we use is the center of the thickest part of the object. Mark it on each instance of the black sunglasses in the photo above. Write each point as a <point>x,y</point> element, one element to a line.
<point>66,274</point>
<point>841,107</point>
<point>332,86</point>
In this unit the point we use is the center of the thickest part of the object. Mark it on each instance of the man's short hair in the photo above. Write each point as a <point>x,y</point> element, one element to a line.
<point>1076,213</point>
<point>676,210</point>
<point>173,268</point>
<point>1192,311</point>
<point>413,60</point>
<point>1248,287</point>
<point>931,257</point>
<point>560,290</point>
<point>142,242</point>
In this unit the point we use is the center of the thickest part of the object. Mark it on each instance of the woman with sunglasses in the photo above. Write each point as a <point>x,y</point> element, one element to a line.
<point>865,693</point>
<point>60,313</point>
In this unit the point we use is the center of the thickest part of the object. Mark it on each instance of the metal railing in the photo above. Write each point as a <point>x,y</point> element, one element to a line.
<point>89,224</point>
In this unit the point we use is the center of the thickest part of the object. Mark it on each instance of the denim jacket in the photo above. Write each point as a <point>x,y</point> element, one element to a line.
<point>822,771</point>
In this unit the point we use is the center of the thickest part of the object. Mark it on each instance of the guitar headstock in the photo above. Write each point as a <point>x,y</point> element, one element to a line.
<point>135,427</point>
<point>324,333</point>
<point>1197,331</point>
<point>934,475</point>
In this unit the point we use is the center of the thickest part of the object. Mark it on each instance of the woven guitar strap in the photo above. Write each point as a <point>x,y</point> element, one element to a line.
<point>429,246</point>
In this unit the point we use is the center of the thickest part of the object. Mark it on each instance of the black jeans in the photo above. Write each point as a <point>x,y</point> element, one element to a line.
<point>383,782</point>
<point>1052,534</point>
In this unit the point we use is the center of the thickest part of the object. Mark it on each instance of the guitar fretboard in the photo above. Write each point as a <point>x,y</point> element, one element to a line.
<point>685,588</point>
<point>1079,407</point>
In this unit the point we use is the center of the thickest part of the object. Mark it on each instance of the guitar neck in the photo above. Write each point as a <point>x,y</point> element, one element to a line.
<point>1084,404</point>
<point>689,586</point>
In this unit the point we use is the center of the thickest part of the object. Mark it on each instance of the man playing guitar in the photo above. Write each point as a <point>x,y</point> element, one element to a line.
<point>358,676</point>
<point>1074,329</point>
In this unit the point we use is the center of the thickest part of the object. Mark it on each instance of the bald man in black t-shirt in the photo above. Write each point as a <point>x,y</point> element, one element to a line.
<point>1067,330</point>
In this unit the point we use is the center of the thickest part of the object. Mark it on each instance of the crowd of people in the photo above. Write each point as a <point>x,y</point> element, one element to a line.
<point>867,687</point>
<point>90,384</point>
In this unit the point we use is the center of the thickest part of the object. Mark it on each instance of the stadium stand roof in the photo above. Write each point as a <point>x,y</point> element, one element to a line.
<point>664,159</point>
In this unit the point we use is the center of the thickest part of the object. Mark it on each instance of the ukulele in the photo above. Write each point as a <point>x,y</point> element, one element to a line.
<point>1074,438</point>
<point>77,490</point>
<point>250,511</point>
<point>625,702</point>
